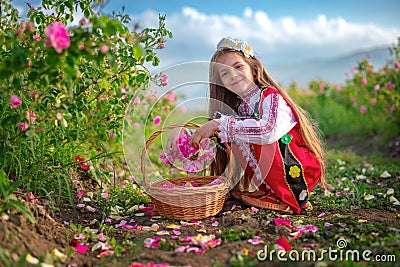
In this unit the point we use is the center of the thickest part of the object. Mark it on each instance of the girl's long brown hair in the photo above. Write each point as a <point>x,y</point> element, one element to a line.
<point>227,102</point>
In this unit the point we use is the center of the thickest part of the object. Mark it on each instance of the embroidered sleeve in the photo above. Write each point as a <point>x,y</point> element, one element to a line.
<point>260,131</point>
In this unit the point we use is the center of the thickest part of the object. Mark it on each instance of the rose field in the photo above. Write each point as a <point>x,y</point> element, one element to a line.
<point>69,92</point>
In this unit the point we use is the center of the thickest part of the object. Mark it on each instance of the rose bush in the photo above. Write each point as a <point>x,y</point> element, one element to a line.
<point>64,89</point>
<point>365,106</point>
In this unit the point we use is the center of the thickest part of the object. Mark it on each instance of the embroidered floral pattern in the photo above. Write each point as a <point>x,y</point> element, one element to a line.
<point>286,139</point>
<point>294,171</point>
<point>269,125</point>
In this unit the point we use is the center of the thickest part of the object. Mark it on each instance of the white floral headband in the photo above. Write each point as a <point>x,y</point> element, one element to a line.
<point>236,44</point>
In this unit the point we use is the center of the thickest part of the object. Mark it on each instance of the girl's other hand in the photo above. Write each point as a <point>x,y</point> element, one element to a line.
<point>205,131</point>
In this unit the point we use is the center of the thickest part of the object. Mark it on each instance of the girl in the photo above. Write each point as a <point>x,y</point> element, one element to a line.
<point>271,137</point>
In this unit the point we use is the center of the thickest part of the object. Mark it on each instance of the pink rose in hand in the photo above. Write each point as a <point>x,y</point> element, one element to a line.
<point>57,36</point>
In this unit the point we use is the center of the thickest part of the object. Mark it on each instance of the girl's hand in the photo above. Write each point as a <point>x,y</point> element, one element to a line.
<point>171,142</point>
<point>205,131</point>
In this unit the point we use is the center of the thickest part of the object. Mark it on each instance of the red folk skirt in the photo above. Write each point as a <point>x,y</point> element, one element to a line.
<point>291,171</point>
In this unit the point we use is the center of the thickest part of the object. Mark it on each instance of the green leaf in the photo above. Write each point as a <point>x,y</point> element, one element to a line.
<point>138,51</point>
<point>140,77</point>
<point>10,120</point>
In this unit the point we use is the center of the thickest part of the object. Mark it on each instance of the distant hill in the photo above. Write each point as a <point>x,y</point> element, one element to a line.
<point>331,70</point>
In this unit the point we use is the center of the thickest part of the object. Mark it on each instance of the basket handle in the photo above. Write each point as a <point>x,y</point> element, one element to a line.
<point>157,133</point>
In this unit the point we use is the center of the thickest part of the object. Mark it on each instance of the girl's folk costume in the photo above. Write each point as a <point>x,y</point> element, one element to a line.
<point>265,139</point>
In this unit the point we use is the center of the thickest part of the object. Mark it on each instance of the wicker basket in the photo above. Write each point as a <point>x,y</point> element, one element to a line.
<point>185,203</point>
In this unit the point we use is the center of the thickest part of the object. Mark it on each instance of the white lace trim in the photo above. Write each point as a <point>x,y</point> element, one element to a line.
<point>245,148</point>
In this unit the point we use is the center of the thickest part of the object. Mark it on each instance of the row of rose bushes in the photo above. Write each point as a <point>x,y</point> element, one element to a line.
<point>366,105</point>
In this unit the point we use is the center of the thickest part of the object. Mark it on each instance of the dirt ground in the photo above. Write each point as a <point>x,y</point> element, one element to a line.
<point>49,232</point>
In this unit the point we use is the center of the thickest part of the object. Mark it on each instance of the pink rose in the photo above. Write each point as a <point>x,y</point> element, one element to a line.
<point>104,49</point>
<point>364,81</point>
<point>157,120</point>
<point>15,101</point>
<point>57,36</point>
<point>22,125</point>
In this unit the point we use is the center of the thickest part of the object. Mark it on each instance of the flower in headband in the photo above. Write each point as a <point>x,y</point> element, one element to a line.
<point>236,44</point>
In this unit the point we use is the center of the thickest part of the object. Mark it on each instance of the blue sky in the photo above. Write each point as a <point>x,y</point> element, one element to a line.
<point>381,12</point>
<point>280,32</point>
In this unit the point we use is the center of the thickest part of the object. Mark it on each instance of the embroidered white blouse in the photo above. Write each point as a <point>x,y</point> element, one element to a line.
<point>277,120</point>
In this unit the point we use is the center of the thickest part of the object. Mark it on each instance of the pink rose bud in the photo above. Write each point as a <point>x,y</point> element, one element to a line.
<point>22,125</point>
<point>59,116</point>
<point>30,64</point>
<point>157,120</point>
<point>104,49</point>
<point>15,101</point>
<point>34,94</point>
<point>19,32</point>
<point>30,27</point>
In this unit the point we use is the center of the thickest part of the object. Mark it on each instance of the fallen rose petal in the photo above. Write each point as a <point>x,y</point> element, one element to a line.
<point>173,226</point>
<point>390,191</point>
<point>80,194</point>
<point>80,236</point>
<point>181,248</point>
<point>80,205</point>
<point>282,242</point>
<point>327,224</point>
<point>321,215</point>
<point>97,246</point>
<point>187,239</point>
<point>106,253</point>
<point>176,232</point>
<point>253,209</point>
<point>30,259</point>
<point>233,207</point>
<point>120,224</point>
<point>151,242</point>
<point>310,228</point>
<point>296,235</point>
<point>282,221</point>
<point>369,197</point>
<point>101,237</point>
<point>392,199</point>
<point>385,174</point>
<point>91,209</point>
<point>193,249</point>
<point>215,224</point>
<point>255,241</point>
<point>128,226</point>
<point>58,255</point>
<point>342,224</point>
<point>81,248</point>
<point>163,232</point>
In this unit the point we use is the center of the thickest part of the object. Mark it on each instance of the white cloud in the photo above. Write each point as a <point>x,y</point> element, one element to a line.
<point>281,40</point>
